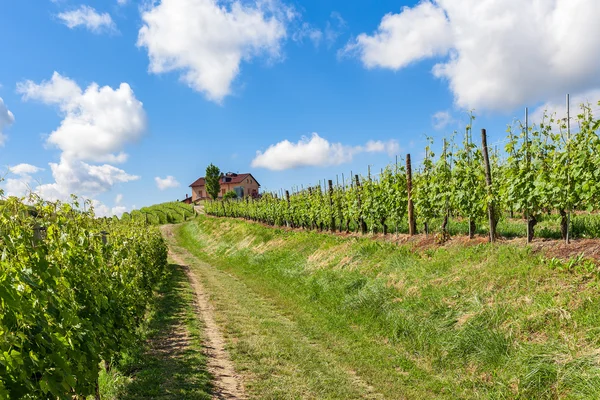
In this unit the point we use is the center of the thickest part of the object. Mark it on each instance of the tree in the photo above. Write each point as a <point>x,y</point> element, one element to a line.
<point>231,195</point>
<point>213,175</point>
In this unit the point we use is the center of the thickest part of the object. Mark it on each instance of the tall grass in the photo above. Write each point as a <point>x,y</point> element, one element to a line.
<point>487,321</point>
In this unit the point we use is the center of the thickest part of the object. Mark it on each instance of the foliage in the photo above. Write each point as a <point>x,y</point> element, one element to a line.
<point>165,213</point>
<point>73,290</point>
<point>231,195</point>
<point>213,175</point>
<point>546,171</point>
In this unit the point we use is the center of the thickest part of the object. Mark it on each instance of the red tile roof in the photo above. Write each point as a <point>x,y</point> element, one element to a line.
<point>235,178</point>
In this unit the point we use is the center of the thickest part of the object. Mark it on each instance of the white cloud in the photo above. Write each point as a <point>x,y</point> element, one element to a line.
<point>558,106</point>
<point>206,40</point>
<point>81,178</point>
<point>88,17</point>
<point>501,54</point>
<point>315,152</point>
<point>122,2</point>
<point>102,210</point>
<point>413,34</point>
<point>334,28</point>
<point>22,185</point>
<point>441,119</point>
<point>166,183</point>
<point>98,121</point>
<point>119,199</point>
<point>307,31</point>
<point>24,169</point>
<point>6,118</point>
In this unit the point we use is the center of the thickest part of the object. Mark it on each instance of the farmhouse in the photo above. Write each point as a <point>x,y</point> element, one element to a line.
<point>242,184</point>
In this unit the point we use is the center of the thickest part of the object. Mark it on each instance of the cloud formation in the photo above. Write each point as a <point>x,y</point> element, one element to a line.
<point>6,119</point>
<point>413,34</point>
<point>89,18</point>
<point>21,185</point>
<point>207,40</point>
<point>499,54</point>
<point>441,119</point>
<point>24,169</point>
<point>98,123</point>
<point>316,152</point>
<point>166,183</point>
<point>558,106</point>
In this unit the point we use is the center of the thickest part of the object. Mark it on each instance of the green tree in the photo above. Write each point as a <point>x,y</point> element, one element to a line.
<point>231,195</point>
<point>213,187</point>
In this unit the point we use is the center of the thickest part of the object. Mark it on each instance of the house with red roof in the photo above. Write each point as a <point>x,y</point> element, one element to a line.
<point>242,184</point>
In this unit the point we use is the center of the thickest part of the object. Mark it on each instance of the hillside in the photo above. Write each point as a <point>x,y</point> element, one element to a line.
<point>309,315</point>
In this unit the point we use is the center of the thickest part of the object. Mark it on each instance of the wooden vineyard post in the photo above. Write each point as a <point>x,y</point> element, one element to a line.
<point>412,224</point>
<point>361,219</point>
<point>287,199</point>
<point>488,179</point>
<point>312,222</point>
<point>332,223</point>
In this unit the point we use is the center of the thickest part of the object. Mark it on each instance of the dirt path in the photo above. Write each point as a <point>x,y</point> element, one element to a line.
<point>227,383</point>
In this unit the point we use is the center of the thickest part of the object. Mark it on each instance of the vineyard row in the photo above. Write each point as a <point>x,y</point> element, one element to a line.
<point>545,170</point>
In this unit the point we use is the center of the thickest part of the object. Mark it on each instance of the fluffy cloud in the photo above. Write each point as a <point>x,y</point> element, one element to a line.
<point>501,54</point>
<point>206,40</point>
<point>102,210</point>
<point>6,118</point>
<point>81,178</point>
<point>98,121</point>
<point>441,119</point>
<point>21,185</point>
<point>88,17</point>
<point>558,106</point>
<point>166,183</point>
<point>316,152</point>
<point>24,169</point>
<point>414,34</point>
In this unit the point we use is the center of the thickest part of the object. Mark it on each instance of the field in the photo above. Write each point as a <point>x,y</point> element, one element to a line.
<point>311,315</point>
<point>247,310</point>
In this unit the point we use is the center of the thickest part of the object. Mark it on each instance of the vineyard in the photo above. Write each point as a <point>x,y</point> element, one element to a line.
<point>73,291</point>
<point>160,214</point>
<point>547,176</point>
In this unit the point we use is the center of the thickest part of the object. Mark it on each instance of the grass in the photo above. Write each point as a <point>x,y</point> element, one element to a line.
<point>169,363</point>
<point>583,225</point>
<point>310,315</point>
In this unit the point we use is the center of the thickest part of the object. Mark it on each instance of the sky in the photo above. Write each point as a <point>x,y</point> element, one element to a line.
<point>126,102</point>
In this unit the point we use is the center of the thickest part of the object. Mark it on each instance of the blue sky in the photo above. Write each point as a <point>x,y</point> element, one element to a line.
<point>218,81</point>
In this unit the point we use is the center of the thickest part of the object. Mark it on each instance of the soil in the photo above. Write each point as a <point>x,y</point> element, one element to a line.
<point>227,383</point>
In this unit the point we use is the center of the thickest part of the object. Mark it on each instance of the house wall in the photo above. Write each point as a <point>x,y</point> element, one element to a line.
<point>196,193</point>
<point>250,188</point>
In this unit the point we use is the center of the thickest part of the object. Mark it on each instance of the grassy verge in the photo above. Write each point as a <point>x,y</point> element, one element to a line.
<point>455,322</point>
<point>169,363</point>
